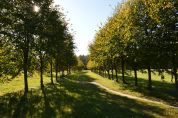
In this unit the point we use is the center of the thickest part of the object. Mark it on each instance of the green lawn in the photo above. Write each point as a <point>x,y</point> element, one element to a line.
<point>72,98</point>
<point>17,83</point>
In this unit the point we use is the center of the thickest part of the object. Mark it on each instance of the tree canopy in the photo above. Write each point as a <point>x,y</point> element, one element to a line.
<point>141,34</point>
<point>33,34</point>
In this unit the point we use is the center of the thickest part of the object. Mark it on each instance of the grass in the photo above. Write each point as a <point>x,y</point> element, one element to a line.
<point>17,83</point>
<point>163,91</point>
<point>72,98</point>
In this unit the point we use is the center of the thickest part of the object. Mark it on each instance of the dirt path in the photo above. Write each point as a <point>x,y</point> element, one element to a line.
<point>129,96</point>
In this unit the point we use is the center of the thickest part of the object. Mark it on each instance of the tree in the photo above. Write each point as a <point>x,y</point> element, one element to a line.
<point>80,65</point>
<point>41,35</point>
<point>90,65</point>
<point>84,59</point>
<point>20,29</point>
<point>142,35</point>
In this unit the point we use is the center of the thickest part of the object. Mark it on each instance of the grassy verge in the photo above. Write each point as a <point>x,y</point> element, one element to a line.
<point>163,91</point>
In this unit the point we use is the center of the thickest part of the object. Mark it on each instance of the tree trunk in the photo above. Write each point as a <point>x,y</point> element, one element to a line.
<point>99,71</point>
<point>108,74</point>
<point>105,74</point>
<point>149,78</point>
<point>69,70</point>
<point>51,64</point>
<point>176,81</point>
<point>112,74</point>
<point>25,68</point>
<point>175,76</point>
<point>41,71</point>
<point>62,72</point>
<point>172,75</point>
<point>123,76</point>
<point>115,68</point>
<point>25,64</point>
<point>116,75</point>
<point>56,75</point>
<point>135,73</point>
<point>56,69</point>
<point>102,73</point>
<point>112,77</point>
<point>104,70</point>
<point>175,72</point>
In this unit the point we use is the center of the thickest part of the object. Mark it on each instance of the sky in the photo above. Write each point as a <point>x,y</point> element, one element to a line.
<point>85,16</point>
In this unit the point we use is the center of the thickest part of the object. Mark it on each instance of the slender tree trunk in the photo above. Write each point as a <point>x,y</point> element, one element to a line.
<point>105,74</point>
<point>135,73</point>
<point>25,68</point>
<point>115,68</point>
<point>51,64</point>
<point>108,74</point>
<point>102,73</point>
<point>56,69</point>
<point>56,75</point>
<point>112,74</point>
<point>175,72</point>
<point>41,71</point>
<point>149,78</point>
<point>112,71</point>
<point>25,65</point>
<point>123,71</point>
<point>116,74</point>
<point>99,71</point>
<point>63,72</point>
<point>176,81</point>
<point>69,70</point>
<point>175,76</point>
<point>172,75</point>
<point>104,69</point>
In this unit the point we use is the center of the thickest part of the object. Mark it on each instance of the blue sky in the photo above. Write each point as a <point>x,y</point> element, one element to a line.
<point>85,17</point>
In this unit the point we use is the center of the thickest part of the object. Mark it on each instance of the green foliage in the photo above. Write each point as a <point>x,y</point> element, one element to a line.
<point>9,64</point>
<point>80,64</point>
<point>84,59</point>
<point>90,65</point>
<point>140,33</point>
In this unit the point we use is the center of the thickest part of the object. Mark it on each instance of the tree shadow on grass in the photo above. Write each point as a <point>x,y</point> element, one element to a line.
<point>15,105</point>
<point>94,102</point>
<point>71,99</point>
<point>161,90</point>
<point>22,108</point>
<point>48,110</point>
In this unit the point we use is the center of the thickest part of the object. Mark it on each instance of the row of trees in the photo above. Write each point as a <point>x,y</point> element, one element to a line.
<point>34,35</point>
<point>141,34</point>
<point>84,59</point>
